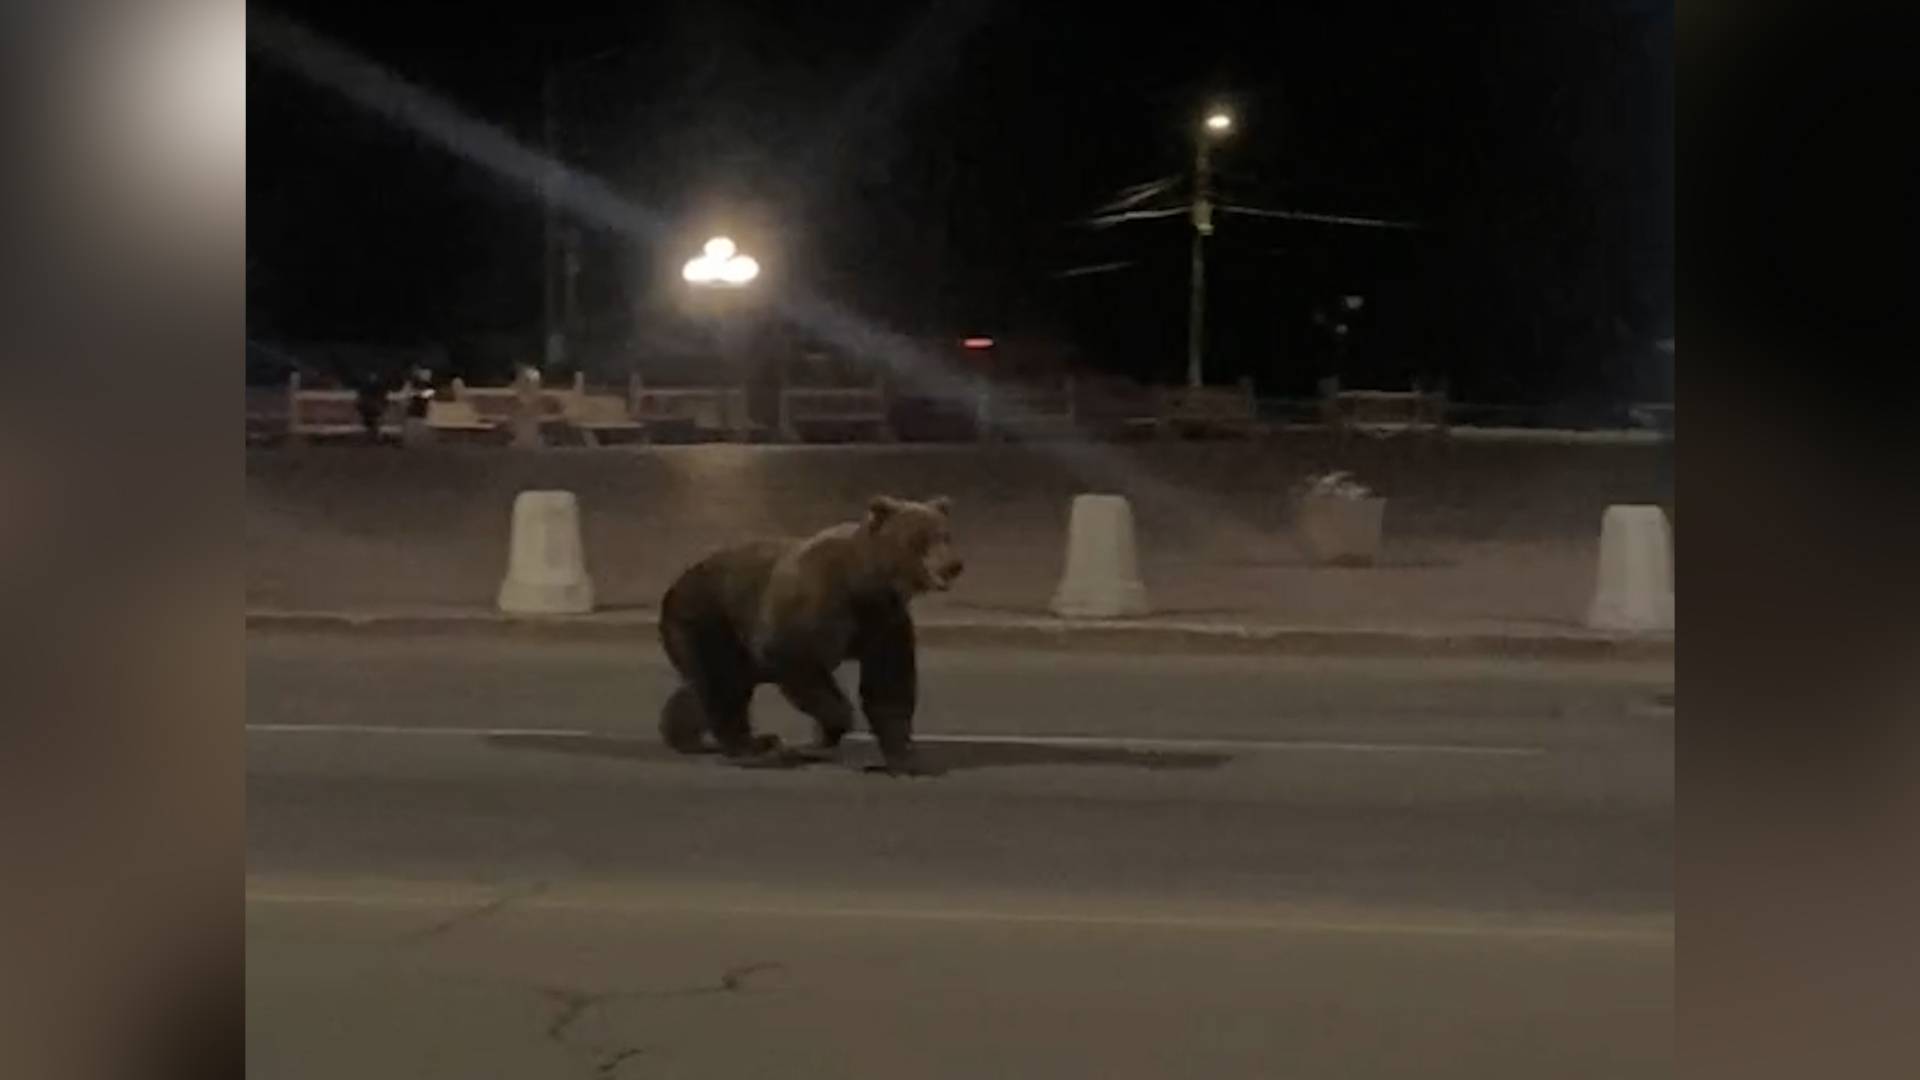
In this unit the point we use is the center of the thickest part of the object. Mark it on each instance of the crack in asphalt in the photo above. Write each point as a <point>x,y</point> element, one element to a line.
<point>733,980</point>
<point>474,914</point>
<point>571,1005</point>
<point>611,1063</point>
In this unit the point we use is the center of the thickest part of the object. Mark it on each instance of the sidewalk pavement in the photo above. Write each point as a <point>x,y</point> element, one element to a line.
<point>1425,597</point>
<point>1490,554</point>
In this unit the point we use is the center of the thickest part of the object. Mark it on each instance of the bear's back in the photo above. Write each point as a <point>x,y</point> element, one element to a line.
<point>728,583</point>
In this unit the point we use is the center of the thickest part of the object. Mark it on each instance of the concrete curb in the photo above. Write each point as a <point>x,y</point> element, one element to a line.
<point>1118,635</point>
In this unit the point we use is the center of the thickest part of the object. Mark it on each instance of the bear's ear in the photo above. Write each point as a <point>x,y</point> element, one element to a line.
<point>942,504</point>
<point>880,509</point>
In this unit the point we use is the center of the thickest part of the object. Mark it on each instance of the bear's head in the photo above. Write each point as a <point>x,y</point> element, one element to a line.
<point>913,543</point>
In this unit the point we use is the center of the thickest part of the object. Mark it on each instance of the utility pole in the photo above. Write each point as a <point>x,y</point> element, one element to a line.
<point>553,347</point>
<point>560,247</point>
<point>1218,123</point>
<point>569,289</point>
<point>1197,278</point>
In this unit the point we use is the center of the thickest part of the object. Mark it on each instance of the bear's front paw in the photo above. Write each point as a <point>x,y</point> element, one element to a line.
<point>906,764</point>
<point>760,751</point>
<point>816,752</point>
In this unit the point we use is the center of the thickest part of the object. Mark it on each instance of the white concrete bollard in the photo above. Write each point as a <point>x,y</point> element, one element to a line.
<point>1634,588</point>
<point>1102,576</point>
<point>546,566</point>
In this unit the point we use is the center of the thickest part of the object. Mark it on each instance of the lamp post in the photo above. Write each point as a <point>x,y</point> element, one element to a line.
<point>722,270</point>
<point>1217,125</point>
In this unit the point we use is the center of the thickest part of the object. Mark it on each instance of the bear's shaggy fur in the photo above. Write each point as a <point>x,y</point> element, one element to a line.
<point>790,613</point>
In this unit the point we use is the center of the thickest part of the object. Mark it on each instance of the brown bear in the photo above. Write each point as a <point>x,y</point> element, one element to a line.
<point>790,612</point>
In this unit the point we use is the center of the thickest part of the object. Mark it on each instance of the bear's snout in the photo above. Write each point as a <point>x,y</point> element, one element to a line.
<point>949,571</point>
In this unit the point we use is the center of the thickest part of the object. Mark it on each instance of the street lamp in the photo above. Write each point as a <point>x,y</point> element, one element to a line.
<point>1217,125</point>
<point>720,264</point>
<point>721,269</point>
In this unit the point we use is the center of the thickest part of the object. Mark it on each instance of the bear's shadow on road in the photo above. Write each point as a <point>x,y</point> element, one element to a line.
<point>942,757</point>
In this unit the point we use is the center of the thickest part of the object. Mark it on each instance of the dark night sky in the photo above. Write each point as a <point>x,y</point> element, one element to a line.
<point>919,164</point>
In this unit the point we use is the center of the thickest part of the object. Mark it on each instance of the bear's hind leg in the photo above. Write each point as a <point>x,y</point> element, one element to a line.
<point>815,692</point>
<point>683,723</point>
<point>728,704</point>
<point>719,678</point>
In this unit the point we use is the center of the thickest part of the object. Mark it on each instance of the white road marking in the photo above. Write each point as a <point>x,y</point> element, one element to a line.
<point>1303,923</point>
<point>390,729</point>
<point>1152,744</point>
<point>1145,745</point>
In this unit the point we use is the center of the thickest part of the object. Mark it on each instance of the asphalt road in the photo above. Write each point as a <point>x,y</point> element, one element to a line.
<point>468,858</point>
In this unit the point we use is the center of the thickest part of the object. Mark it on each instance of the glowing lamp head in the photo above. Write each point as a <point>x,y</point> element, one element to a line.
<point>1219,122</point>
<point>739,270</point>
<point>720,263</point>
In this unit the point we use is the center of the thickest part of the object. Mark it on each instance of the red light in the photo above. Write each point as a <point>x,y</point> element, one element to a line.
<point>977,343</point>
